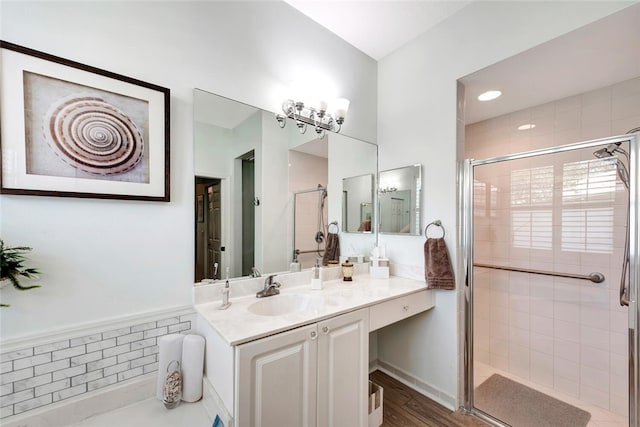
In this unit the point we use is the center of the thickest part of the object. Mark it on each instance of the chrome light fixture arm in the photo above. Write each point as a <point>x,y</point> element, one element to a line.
<point>303,116</point>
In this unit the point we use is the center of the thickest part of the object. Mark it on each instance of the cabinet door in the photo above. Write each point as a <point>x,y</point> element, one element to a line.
<point>276,380</point>
<point>343,362</point>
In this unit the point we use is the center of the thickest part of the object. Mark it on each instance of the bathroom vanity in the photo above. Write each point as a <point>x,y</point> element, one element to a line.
<point>302,357</point>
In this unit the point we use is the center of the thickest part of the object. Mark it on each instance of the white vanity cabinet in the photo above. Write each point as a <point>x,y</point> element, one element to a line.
<point>315,375</point>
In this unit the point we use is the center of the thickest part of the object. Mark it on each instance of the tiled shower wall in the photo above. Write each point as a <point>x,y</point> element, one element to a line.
<point>566,334</point>
<point>36,376</point>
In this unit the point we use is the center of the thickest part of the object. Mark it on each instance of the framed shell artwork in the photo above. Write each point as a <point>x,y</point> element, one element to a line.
<point>72,130</point>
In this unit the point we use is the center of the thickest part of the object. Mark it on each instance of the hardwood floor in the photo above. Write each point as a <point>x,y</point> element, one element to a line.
<point>405,407</point>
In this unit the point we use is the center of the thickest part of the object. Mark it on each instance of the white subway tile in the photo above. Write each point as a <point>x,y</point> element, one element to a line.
<point>594,358</point>
<point>116,333</point>
<point>32,382</point>
<point>167,322</point>
<point>28,405</point>
<point>595,378</point>
<point>6,411</point>
<point>68,352</point>
<point>31,361</point>
<point>20,396</point>
<point>143,327</point>
<point>6,389</point>
<point>542,368</point>
<point>85,378</point>
<point>12,376</point>
<point>6,367</point>
<point>143,343</point>
<point>595,337</point>
<point>541,343</point>
<point>19,354</point>
<point>569,331</point>
<point>188,317</point>
<point>116,368</point>
<point>50,367</point>
<point>566,386</point>
<point>47,348</point>
<point>102,363</point>
<point>86,358</point>
<point>114,351</point>
<point>51,387</point>
<point>69,392</point>
<point>131,355</point>
<point>69,372</point>
<point>150,350</point>
<point>151,367</point>
<point>124,339</point>
<point>594,396</point>
<point>86,339</point>
<point>566,369</point>
<point>100,345</point>
<point>567,350</point>
<point>143,361</point>
<point>123,376</point>
<point>155,332</point>
<point>103,382</point>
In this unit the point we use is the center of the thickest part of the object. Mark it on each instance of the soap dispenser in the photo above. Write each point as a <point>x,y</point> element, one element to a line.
<point>225,294</point>
<point>316,280</point>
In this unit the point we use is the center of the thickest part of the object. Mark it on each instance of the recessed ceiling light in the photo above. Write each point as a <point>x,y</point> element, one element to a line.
<point>489,95</point>
<point>526,127</point>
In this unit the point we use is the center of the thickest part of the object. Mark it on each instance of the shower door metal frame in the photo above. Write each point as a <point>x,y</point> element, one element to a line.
<point>466,219</point>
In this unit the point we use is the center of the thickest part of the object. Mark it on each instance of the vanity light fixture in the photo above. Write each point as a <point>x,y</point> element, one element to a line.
<point>489,95</point>
<point>318,116</point>
<point>527,126</point>
<point>388,189</point>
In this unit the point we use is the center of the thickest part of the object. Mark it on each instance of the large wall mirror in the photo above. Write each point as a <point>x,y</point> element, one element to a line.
<point>265,195</point>
<point>399,199</point>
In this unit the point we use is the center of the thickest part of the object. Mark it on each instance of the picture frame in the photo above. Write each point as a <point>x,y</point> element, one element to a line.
<point>72,130</point>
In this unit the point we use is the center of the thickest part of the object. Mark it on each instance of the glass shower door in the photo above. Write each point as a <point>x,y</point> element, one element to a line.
<point>546,237</point>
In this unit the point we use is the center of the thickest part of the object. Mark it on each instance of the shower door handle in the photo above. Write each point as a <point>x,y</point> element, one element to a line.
<point>624,289</point>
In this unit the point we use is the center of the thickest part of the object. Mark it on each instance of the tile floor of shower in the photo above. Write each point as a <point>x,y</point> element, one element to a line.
<point>599,417</point>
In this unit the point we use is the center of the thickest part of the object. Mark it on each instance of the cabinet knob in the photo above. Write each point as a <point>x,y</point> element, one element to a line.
<point>314,335</point>
<point>325,329</point>
<point>405,308</point>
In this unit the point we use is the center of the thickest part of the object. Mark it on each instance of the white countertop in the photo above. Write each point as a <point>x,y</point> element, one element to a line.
<point>237,325</point>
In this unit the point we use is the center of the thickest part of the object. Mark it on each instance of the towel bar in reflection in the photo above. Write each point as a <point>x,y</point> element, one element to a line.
<point>594,277</point>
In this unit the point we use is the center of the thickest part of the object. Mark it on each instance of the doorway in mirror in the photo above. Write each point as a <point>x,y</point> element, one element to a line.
<point>208,229</point>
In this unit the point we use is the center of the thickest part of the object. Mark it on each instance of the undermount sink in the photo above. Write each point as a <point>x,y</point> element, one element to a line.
<point>285,304</point>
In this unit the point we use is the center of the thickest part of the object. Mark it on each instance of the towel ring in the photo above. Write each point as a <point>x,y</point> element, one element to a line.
<point>334,223</point>
<point>437,223</point>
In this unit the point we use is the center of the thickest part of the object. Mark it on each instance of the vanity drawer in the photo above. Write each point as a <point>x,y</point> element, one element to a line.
<point>388,312</point>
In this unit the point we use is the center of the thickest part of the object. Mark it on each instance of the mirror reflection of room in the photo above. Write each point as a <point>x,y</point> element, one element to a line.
<point>357,203</point>
<point>271,204</point>
<point>399,199</point>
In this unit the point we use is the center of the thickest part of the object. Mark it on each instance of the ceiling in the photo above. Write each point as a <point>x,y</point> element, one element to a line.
<point>377,27</point>
<point>594,56</point>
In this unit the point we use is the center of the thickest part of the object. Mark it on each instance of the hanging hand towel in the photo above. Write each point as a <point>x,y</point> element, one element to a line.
<point>437,266</point>
<point>331,249</point>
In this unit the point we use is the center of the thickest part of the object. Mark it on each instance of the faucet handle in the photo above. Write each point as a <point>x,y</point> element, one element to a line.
<point>269,279</point>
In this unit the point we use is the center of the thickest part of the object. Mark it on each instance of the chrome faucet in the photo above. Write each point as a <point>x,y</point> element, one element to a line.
<point>270,288</point>
<point>255,272</point>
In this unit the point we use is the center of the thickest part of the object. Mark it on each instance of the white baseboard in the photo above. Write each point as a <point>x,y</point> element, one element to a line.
<point>415,383</point>
<point>213,404</point>
<point>90,404</point>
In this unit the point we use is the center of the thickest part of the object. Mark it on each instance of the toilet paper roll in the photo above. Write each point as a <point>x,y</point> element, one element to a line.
<point>192,367</point>
<point>169,348</point>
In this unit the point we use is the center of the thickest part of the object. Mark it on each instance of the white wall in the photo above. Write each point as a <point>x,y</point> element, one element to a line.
<point>417,123</point>
<point>103,259</point>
